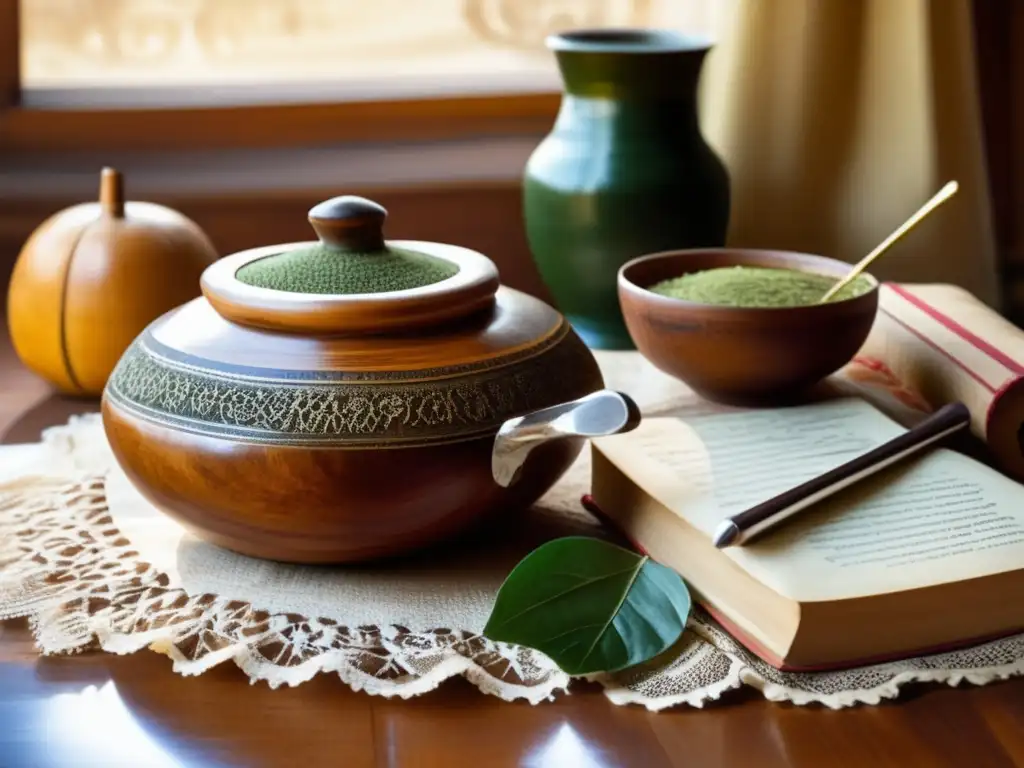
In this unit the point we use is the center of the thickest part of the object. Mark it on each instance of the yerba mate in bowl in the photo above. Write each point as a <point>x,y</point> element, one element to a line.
<point>742,286</point>
<point>755,346</point>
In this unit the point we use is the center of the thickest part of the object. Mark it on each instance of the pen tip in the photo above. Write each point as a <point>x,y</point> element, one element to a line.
<point>725,534</point>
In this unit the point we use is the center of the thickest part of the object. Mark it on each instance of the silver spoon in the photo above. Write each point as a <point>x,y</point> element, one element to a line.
<point>601,413</point>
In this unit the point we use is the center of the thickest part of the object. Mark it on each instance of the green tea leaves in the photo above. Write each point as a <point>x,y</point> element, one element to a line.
<point>590,605</point>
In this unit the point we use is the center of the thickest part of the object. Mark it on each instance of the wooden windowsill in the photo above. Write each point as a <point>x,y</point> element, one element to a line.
<point>102,128</point>
<point>408,88</point>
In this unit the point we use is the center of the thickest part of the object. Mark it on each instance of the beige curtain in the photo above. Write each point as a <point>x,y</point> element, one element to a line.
<point>839,118</point>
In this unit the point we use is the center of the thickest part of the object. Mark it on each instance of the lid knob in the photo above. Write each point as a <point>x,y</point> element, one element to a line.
<point>349,223</point>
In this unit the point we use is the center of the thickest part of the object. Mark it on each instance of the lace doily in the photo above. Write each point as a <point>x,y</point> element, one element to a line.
<point>67,565</point>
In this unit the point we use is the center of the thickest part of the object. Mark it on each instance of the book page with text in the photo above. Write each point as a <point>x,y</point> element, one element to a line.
<point>935,519</point>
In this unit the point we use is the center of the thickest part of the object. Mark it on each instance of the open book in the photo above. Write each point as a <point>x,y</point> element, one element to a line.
<point>925,556</point>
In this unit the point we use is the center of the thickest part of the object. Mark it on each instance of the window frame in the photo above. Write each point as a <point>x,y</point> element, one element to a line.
<point>85,127</point>
<point>10,56</point>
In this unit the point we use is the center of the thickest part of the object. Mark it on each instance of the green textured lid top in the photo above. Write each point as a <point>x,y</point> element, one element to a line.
<point>351,257</point>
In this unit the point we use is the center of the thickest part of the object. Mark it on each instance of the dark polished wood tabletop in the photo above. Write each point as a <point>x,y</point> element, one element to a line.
<point>96,709</point>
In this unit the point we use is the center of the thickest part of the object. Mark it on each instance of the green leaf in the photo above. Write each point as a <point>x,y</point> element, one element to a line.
<point>590,605</point>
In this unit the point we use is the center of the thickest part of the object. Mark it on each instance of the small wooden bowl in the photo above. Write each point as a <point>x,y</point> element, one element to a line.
<point>735,355</point>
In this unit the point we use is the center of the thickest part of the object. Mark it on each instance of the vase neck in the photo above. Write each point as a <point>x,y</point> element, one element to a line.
<point>630,65</point>
<point>655,120</point>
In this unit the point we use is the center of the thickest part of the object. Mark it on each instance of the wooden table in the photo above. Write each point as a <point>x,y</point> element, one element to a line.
<point>95,709</point>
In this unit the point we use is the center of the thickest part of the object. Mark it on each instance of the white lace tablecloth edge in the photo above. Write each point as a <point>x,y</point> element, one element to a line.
<point>706,664</point>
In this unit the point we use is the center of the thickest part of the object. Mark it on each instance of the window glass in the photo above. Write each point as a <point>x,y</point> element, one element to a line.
<point>435,43</point>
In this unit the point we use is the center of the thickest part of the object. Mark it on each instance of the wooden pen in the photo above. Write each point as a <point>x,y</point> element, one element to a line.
<point>740,528</point>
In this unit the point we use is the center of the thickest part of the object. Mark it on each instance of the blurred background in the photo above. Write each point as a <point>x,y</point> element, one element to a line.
<point>836,119</point>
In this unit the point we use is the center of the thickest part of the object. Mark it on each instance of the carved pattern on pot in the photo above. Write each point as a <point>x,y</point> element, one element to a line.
<point>387,411</point>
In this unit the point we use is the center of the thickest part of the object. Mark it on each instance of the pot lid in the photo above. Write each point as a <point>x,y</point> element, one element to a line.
<point>351,256</point>
<point>352,280</point>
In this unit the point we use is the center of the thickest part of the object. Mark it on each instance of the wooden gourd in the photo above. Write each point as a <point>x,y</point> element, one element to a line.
<point>92,277</point>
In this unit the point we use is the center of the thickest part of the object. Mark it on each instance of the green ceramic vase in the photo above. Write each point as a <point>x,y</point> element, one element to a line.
<point>624,172</point>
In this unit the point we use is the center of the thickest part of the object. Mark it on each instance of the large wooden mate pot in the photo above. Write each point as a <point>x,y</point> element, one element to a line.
<point>352,398</point>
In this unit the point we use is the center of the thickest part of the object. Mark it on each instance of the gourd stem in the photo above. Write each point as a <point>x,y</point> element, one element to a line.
<point>112,193</point>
